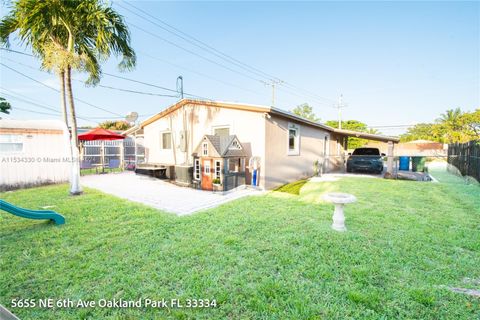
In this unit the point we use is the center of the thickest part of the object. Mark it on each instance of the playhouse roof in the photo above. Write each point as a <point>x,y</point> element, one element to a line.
<point>222,145</point>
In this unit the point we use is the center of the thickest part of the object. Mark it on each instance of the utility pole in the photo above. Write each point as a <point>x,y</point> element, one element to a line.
<point>273,83</point>
<point>340,105</point>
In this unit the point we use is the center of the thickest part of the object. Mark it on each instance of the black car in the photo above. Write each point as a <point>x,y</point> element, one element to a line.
<point>365,159</point>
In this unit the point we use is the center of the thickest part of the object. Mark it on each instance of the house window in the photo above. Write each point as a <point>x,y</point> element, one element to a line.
<point>217,169</point>
<point>205,149</point>
<point>196,169</point>
<point>293,140</point>
<point>11,143</point>
<point>166,140</point>
<point>223,131</point>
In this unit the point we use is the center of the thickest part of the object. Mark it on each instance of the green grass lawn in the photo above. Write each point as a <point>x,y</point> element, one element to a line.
<point>263,257</point>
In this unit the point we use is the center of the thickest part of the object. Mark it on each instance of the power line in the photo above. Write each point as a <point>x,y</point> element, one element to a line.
<point>36,112</point>
<point>152,85</point>
<point>15,51</point>
<point>204,46</point>
<point>41,106</point>
<point>194,53</point>
<point>199,73</point>
<point>100,85</point>
<point>58,91</point>
<point>111,75</point>
<point>33,103</point>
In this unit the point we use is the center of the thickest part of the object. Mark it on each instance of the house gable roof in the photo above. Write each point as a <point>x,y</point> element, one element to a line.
<point>268,110</point>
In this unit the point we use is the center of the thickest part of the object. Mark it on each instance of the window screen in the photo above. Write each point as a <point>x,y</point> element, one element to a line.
<point>166,140</point>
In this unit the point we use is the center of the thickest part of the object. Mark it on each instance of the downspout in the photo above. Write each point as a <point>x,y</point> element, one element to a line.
<point>173,142</point>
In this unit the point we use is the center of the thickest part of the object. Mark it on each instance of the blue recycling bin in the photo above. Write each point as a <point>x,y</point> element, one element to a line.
<point>404,163</point>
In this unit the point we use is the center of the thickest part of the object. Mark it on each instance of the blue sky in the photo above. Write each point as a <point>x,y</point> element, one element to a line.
<point>396,63</point>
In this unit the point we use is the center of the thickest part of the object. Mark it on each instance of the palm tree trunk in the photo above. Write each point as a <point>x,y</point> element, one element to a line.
<point>63,99</point>
<point>75,188</point>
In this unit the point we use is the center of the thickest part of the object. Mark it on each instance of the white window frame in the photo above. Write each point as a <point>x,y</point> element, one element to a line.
<point>196,169</point>
<point>222,127</point>
<point>296,150</point>
<point>10,139</point>
<point>206,165</point>
<point>205,149</point>
<point>161,140</point>
<point>218,165</point>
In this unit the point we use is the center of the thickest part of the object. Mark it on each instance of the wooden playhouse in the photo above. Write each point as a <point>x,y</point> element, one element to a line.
<point>219,163</point>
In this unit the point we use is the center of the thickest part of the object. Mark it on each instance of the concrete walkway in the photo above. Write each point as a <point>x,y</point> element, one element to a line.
<point>160,194</point>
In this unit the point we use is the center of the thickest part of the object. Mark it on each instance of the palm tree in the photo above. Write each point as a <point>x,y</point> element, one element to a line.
<point>451,117</point>
<point>71,35</point>
<point>34,22</point>
<point>450,124</point>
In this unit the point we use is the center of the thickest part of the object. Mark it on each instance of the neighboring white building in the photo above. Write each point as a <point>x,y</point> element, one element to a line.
<point>33,152</point>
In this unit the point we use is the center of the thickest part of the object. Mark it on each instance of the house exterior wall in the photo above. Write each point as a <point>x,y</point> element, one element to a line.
<point>281,168</point>
<point>43,158</point>
<point>249,126</point>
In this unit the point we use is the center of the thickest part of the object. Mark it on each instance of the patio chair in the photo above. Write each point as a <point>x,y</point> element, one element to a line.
<point>85,164</point>
<point>113,164</point>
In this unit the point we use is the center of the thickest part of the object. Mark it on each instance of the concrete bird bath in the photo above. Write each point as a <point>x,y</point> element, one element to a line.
<point>339,200</point>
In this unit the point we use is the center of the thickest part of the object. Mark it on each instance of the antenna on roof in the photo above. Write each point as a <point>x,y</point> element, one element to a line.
<point>180,86</point>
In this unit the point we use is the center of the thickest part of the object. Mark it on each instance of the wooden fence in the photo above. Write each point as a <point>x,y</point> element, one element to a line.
<point>466,158</point>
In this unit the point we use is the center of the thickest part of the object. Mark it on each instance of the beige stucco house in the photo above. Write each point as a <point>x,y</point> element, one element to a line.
<point>283,146</point>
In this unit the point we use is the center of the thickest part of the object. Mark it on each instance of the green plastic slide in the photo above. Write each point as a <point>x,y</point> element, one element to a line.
<point>32,214</point>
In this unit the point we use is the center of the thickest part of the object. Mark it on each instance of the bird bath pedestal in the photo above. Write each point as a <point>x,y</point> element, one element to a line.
<point>339,200</point>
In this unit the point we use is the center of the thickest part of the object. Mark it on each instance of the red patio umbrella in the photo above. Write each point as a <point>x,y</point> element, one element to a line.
<point>100,134</point>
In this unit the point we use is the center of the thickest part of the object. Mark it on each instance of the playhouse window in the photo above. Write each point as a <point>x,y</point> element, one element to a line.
<point>206,167</point>
<point>217,169</point>
<point>196,169</point>
<point>235,145</point>
<point>234,165</point>
<point>166,140</point>
<point>205,149</point>
<point>11,143</point>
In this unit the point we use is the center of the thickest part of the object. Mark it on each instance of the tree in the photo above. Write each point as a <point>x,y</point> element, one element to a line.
<point>71,35</point>
<point>115,125</point>
<point>450,126</point>
<point>373,131</point>
<point>305,111</point>
<point>5,107</point>
<point>353,125</point>
<point>471,124</point>
<point>422,131</point>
